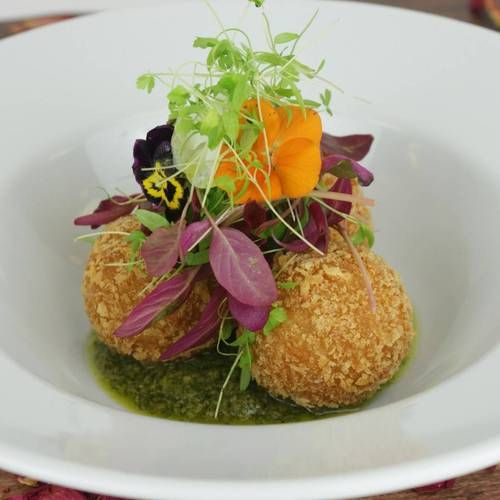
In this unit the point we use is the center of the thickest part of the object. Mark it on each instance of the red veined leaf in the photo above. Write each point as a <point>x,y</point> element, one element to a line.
<point>165,294</point>
<point>192,234</point>
<point>340,186</point>
<point>240,267</point>
<point>353,146</point>
<point>107,211</point>
<point>203,330</point>
<point>315,231</point>
<point>254,214</point>
<point>252,317</point>
<point>161,250</point>
<point>365,177</point>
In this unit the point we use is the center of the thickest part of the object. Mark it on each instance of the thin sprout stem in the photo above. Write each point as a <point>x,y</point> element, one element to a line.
<point>217,222</point>
<point>221,393</point>
<point>329,195</point>
<point>290,208</point>
<point>148,287</point>
<point>306,27</point>
<point>362,268</point>
<point>122,264</point>
<point>290,261</point>
<point>348,217</point>
<point>100,233</point>
<point>272,251</point>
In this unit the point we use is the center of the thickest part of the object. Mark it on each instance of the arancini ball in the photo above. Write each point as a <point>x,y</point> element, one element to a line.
<point>332,350</point>
<point>111,292</point>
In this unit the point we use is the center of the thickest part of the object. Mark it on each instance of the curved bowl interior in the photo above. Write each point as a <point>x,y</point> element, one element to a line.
<point>437,191</point>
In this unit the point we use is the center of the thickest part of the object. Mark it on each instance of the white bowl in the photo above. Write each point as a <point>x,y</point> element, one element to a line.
<point>69,114</point>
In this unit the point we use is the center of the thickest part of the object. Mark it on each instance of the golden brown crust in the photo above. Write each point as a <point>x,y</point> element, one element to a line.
<point>110,293</point>
<point>332,350</point>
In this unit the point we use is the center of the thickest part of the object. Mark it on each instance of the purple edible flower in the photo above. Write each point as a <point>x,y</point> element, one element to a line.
<point>154,172</point>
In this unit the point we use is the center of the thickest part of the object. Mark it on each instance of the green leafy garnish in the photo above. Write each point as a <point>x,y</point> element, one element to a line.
<point>151,220</point>
<point>244,341</point>
<point>285,38</point>
<point>364,233</point>
<point>197,258</point>
<point>287,285</point>
<point>146,82</point>
<point>326,98</point>
<point>136,239</point>
<point>276,317</point>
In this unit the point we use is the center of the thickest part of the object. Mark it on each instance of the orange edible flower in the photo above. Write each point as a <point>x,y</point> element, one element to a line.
<point>290,164</point>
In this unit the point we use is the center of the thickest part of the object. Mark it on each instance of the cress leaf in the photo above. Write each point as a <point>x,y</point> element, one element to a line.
<point>146,82</point>
<point>151,220</point>
<point>287,285</point>
<point>197,258</point>
<point>362,235</point>
<point>231,125</point>
<point>285,38</point>
<point>202,42</point>
<point>343,170</point>
<point>276,317</point>
<point>226,183</point>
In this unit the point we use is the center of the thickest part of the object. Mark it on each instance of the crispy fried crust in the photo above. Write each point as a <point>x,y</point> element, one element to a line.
<point>110,293</point>
<point>332,351</point>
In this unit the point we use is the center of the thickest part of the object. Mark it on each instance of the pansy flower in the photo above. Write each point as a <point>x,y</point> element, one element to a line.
<point>160,182</point>
<point>285,159</point>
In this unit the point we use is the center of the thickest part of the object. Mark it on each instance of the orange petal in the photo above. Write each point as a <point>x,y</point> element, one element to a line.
<point>270,118</point>
<point>294,124</point>
<point>272,190</point>
<point>298,164</point>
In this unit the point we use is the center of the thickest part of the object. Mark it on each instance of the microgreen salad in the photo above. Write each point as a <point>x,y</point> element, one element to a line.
<point>241,170</point>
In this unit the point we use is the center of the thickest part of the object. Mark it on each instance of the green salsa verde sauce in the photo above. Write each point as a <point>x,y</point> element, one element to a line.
<point>188,389</point>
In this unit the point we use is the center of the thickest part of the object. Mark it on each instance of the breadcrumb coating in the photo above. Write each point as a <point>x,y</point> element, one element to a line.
<point>332,350</point>
<point>111,292</point>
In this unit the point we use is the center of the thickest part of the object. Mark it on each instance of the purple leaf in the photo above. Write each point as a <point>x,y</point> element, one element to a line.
<point>161,250</point>
<point>252,317</point>
<point>203,330</point>
<point>315,231</point>
<point>192,234</point>
<point>254,214</point>
<point>107,211</point>
<point>240,267</point>
<point>365,177</point>
<point>340,186</point>
<point>162,296</point>
<point>352,146</point>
